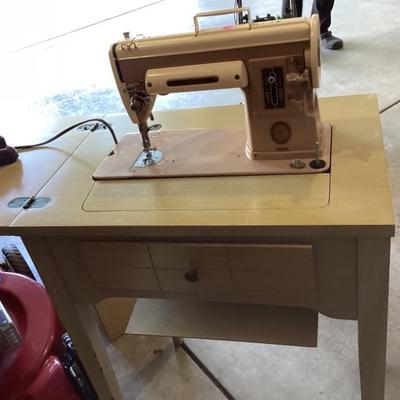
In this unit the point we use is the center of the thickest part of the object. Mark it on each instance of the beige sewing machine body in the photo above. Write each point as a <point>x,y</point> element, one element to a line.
<point>275,63</point>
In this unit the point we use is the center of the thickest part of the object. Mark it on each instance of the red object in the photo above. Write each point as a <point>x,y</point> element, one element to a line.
<point>33,371</point>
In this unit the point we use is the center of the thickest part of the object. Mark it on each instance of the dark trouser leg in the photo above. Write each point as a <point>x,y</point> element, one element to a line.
<point>323,8</point>
<point>299,6</point>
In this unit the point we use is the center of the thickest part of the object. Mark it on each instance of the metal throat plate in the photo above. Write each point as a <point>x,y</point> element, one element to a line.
<point>147,158</point>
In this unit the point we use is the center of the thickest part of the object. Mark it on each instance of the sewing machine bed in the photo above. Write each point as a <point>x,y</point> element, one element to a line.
<point>199,152</point>
<point>215,194</point>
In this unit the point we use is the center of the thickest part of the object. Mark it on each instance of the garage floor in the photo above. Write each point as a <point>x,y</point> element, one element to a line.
<point>56,64</point>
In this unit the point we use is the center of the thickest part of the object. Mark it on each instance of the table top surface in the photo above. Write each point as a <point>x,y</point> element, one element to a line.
<point>352,200</point>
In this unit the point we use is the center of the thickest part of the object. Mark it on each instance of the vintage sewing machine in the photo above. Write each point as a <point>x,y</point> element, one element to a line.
<point>275,63</point>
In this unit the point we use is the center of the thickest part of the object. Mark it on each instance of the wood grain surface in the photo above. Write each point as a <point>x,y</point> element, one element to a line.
<point>359,184</point>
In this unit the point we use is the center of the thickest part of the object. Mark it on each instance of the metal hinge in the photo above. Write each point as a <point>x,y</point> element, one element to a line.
<point>91,126</point>
<point>29,202</point>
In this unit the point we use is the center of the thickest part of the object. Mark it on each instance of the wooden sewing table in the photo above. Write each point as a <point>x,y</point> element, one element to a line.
<point>301,244</point>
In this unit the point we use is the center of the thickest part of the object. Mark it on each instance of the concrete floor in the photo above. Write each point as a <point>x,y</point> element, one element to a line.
<point>68,73</point>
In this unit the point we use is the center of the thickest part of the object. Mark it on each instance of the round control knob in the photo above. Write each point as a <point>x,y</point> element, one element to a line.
<point>192,276</point>
<point>281,132</point>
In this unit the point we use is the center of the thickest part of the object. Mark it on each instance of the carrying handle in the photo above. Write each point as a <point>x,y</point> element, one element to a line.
<point>219,12</point>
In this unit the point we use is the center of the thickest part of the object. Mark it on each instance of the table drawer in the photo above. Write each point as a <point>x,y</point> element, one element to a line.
<point>199,281</point>
<point>119,265</point>
<point>188,256</point>
<point>285,271</point>
<point>121,278</point>
<point>110,255</point>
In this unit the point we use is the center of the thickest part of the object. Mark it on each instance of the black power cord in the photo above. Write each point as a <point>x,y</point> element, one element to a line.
<point>70,128</point>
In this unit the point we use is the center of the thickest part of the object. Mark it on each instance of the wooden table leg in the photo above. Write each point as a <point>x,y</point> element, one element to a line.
<point>373,281</point>
<point>98,342</point>
<point>114,314</point>
<point>80,321</point>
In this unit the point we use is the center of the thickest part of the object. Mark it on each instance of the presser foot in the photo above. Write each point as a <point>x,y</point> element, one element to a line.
<point>147,158</point>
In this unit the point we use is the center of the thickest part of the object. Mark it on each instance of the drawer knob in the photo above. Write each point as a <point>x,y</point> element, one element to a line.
<point>192,276</point>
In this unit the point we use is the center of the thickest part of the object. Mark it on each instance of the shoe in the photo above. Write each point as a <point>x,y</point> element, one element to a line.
<point>330,42</point>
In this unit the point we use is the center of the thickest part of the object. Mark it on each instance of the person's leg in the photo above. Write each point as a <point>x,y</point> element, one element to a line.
<point>324,8</point>
<point>299,6</point>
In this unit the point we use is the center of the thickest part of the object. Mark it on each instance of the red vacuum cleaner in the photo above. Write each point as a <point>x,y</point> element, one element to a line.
<point>37,358</point>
